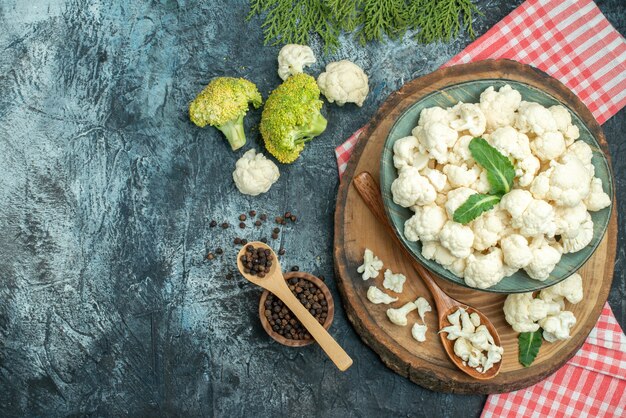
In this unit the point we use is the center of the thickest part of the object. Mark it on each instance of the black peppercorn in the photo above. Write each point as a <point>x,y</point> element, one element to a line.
<point>213,224</point>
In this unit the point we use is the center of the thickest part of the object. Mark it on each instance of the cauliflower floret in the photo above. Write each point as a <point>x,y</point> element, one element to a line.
<point>557,327</point>
<point>344,82</point>
<point>394,282</point>
<point>410,189</point>
<point>569,182</point>
<point>545,258</point>
<point>455,317</point>
<point>526,170</point>
<point>534,118</point>
<point>494,355</point>
<point>376,296</point>
<point>467,326</point>
<point>433,250</point>
<point>510,142</point>
<point>398,316</point>
<point>482,185</point>
<point>548,146</point>
<point>456,198</point>
<point>293,58</point>
<point>582,238</point>
<point>499,107</point>
<point>437,178</point>
<point>470,118</point>
<point>584,153</point>
<point>597,199</point>
<point>570,289</point>
<point>435,138</point>
<point>460,153</point>
<point>463,348</point>
<point>484,270</point>
<point>541,184</point>
<point>564,124</point>
<point>522,312</point>
<point>457,238</point>
<point>475,358</point>
<point>475,318</point>
<point>538,219</point>
<point>406,154</point>
<point>515,251</point>
<point>461,176</point>
<point>433,114</point>
<point>515,203</point>
<point>254,174</point>
<point>481,339</point>
<point>371,265</point>
<point>425,224</point>
<point>488,228</point>
<point>419,332</point>
<point>423,307</point>
<point>569,219</point>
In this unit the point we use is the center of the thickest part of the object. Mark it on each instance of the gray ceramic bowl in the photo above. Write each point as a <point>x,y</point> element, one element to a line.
<point>469,92</point>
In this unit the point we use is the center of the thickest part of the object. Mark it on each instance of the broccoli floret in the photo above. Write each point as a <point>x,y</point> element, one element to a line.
<point>291,117</point>
<point>223,104</point>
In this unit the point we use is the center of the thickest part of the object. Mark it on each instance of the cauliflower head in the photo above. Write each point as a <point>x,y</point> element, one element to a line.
<point>468,117</point>
<point>254,174</point>
<point>570,289</point>
<point>499,107</point>
<point>557,327</point>
<point>522,311</point>
<point>597,199</point>
<point>411,188</point>
<point>569,181</point>
<point>534,118</point>
<point>548,146</point>
<point>406,153</point>
<point>515,251</point>
<point>457,238</point>
<point>292,59</point>
<point>426,223</point>
<point>545,258</point>
<point>484,270</point>
<point>344,82</point>
<point>436,138</point>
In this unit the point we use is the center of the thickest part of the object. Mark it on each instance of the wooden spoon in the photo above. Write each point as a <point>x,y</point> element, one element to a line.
<point>275,283</point>
<point>369,191</point>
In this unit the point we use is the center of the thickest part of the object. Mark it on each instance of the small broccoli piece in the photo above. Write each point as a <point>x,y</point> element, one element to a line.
<point>223,104</point>
<point>291,117</point>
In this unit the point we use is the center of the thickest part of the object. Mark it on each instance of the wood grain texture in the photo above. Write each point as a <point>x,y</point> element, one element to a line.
<point>356,228</point>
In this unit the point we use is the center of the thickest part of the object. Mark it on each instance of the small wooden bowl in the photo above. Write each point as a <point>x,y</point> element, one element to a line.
<point>329,303</point>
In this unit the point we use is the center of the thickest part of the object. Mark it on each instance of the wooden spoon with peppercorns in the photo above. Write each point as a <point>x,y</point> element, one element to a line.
<point>367,187</point>
<point>259,265</point>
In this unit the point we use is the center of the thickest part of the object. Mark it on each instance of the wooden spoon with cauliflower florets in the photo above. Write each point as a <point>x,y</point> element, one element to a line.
<point>446,306</point>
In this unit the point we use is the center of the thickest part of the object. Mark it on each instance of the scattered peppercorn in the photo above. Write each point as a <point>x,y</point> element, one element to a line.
<point>274,236</point>
<point>256,261</point>
<point>252,213</point>
<point>242,225</point>
<point>263,240</point>
<point>244,241</point>
<point>287,214</point>
<point>276,230</point>
<point>281,251</point>
<point>225,225</point>
<point>229,276</point>
<point>295,268</point>
<point>263,217</point>
<point>213,224</point>
<point>237,241</point>
<point>279,219</point>
<point>242,217</point>
<point>210,256</point>
<point>219,251</point>
<point>257,223</point>
<point>284,322</point>
<point>293,218</point>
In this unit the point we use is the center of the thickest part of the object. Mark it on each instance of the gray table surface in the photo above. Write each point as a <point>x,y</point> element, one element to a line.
<point>106,192</point>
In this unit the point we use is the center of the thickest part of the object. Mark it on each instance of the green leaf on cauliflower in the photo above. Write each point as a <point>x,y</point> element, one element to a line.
<point>474,206</point>
<point>529,344</point>
<point>500,170</point>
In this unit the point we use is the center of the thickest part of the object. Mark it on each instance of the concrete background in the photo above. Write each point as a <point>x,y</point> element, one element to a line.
<point>106,192</point>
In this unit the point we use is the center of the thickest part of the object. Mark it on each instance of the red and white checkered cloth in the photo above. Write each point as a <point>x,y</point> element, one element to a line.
<point>572,41</point>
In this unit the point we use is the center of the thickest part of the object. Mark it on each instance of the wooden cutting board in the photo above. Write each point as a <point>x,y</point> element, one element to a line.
<point>356,228</point>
